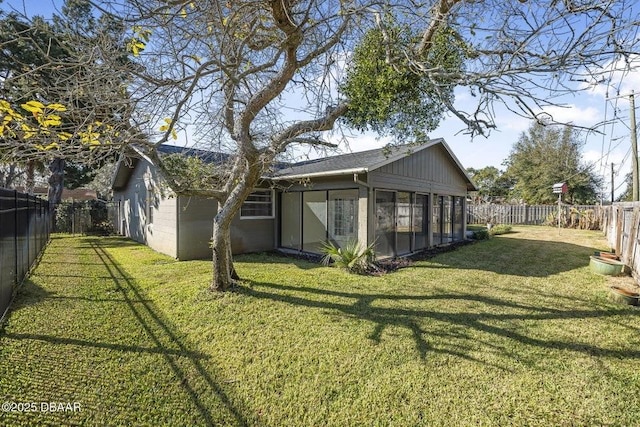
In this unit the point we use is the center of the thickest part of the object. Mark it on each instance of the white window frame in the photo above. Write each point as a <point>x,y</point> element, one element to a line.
<point>136,205</point>
<point>271,200</point>
<point>149,205</point>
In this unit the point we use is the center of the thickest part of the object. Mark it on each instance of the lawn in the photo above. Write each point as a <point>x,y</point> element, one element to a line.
<point>511,331</point>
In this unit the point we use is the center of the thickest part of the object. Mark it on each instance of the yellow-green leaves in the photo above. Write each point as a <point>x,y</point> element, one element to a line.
<point>166,126</point>
<point>8,116</point>
<point>34,107</point>
<point>42,127</point>
<point>139,41</point>
<point>44,114</point>
<point>47,147</point>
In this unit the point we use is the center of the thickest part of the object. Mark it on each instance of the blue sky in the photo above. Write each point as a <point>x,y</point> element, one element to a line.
<point>586,108</point>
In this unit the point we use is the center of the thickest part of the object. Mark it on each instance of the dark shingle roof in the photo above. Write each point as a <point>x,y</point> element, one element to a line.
<point>204,155</point>
<point>363,161</point>
<point>370,159</point>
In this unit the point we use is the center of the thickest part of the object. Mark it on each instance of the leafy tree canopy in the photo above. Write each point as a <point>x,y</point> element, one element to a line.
<point>386,89</point>
<point>548,154</point>
<point>493,184</point>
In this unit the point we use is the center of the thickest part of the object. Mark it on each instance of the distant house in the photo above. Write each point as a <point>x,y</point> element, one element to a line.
<point>405,200</point>
<point>77,194</point>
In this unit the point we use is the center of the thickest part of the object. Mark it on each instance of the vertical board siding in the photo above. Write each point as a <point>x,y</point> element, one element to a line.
<point>431,166</point>
<point>620,225</point>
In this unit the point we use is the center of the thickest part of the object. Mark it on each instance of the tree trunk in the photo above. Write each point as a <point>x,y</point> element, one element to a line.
<point>56,185</point>
<point>8,176</point>
<point>224,274</point>
<point>30,179</point>
<point>223,271</point>
<point>56,181</point>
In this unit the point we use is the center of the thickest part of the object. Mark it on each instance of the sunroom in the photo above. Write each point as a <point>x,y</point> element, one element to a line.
<point>403,201</point>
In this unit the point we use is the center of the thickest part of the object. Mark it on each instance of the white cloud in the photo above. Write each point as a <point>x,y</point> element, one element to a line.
<point>614,78</point>
<point>571,113</point>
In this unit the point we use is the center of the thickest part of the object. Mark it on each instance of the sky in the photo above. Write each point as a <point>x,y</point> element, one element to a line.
<point>611,144</point>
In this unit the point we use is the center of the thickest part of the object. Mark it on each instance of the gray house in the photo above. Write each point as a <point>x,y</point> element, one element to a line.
<point>405,200</point>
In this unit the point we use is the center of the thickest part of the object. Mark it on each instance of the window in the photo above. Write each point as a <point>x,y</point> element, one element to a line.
<point>258,204</point>
<point>150,205</point>
<point>344,213</point>
<point>136,205</point>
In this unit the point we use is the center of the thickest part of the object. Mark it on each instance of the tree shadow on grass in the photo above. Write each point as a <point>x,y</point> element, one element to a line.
<point>301,261</point>
<point>186,365</point>
<point>515,256</point>
<point>457,332</point>
<point>159,331</point>
<point>29,293</point>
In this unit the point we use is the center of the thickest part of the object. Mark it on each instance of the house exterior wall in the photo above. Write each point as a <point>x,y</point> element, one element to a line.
<point>430,170</point>
<point>144,214</point>
<point>192,221</point>
<point>252,235</point>
<point>195,220</point>
<point>195,227</point>
<point>180,226</point>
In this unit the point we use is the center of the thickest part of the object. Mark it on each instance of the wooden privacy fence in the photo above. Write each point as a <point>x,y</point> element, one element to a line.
<point>25,223</point>
<point>621,225</point>
<point>532,214</point>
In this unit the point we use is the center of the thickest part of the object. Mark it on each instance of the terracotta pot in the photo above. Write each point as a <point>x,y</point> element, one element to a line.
<point>607,255</point>
<point>624,296</point>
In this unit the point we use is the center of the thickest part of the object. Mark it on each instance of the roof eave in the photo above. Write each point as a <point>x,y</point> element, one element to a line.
<point>340,172</point>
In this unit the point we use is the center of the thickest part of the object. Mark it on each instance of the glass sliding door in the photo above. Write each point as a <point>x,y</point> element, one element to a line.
<point>420,222</point>
<point>385,223</point>
<point>314,220</point>
<point>458,218</point>
<point>403,223</point>
<point>447,213</point>
<point>437,220</point>
<point>343,216</point>
<point>290,220</point>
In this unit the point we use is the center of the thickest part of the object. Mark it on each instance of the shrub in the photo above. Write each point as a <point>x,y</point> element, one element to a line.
<point>353,257</point>
<point>72,217</point>
<point>82,217</point>
<point>481,234</point>
<point>102,228</point>
<point>500,229</point>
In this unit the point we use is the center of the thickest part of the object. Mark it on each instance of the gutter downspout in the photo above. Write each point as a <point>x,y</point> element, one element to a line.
<point>357,181</point>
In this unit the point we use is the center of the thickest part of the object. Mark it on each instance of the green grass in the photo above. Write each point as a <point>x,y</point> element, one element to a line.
<point>511,331</point>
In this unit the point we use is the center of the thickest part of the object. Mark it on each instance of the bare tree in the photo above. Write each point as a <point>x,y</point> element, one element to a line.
<point>255,78</point>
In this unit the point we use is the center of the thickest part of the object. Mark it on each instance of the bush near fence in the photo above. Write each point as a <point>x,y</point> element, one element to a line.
<point>25,224</point>
<point>82,217</point>
<point>572,216</point>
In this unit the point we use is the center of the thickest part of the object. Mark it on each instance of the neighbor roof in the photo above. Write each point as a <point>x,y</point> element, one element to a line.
<point>77,194</point>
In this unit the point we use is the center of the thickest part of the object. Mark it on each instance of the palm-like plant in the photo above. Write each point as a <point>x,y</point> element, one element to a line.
<point>353,257</point>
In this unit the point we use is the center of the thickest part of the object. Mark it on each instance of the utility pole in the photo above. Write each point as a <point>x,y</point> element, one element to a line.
<point>634,146</point>
<point>612,186</point>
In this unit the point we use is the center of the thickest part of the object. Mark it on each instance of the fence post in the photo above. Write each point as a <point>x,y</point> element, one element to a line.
<point>28,231</point>
<point>15,236</point>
